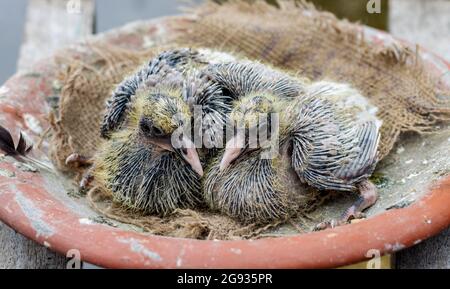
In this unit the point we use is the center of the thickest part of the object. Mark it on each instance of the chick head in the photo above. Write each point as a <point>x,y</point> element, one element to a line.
<point>160,118</point>
<point>254,125</point>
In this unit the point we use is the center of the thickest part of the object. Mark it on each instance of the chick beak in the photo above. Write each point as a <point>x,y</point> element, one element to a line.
<point>190,155</point>
<point>233,150</point>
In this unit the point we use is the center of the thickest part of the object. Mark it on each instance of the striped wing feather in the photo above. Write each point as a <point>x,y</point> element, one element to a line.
<point>332,148</point>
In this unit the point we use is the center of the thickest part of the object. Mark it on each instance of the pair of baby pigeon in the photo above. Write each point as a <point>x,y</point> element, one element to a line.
<point>263,136</point>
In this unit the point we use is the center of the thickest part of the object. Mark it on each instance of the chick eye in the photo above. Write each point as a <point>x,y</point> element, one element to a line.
<point>157,132</point>
<point>145,126</point>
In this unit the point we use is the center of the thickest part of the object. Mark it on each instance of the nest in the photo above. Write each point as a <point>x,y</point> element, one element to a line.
<point>298,38</point>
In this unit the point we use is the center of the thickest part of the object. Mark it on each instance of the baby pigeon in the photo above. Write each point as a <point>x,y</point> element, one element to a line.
<point>148,160</point>
<point>327,135</point>
<point>139,163</point>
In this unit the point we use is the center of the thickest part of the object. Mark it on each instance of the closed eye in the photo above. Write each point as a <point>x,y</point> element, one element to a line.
<point>149,129</point>
<point>145,126</point>
<point>157,132</point>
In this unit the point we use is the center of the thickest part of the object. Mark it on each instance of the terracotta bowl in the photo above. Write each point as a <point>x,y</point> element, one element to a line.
<point>38,207</point>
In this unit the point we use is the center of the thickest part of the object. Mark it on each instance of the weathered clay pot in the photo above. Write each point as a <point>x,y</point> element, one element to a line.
<point>40,209</point>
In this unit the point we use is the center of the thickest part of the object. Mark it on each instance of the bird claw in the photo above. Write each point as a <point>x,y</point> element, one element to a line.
<point>322,226</point>
<point>333,223</point>
<point>77,160</point>
<point>328,225</point>
<point>357,216</point>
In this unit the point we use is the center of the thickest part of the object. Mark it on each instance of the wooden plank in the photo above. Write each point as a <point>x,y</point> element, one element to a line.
<point>428,24</point>
<point>50,24</point>
<point>18,252</point>
<point>433,253</point>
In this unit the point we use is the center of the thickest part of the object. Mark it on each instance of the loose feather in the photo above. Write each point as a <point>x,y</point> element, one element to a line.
<point>7,144</point>
<point>21,151</point>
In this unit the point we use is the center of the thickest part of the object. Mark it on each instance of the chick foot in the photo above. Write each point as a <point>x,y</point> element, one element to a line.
<point>368,197</point>
<point>77,160</point>
<point>87,180</point>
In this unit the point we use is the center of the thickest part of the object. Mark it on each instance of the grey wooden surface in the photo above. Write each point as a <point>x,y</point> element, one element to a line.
<point>50,25</point>
<point>426,22</point>
<point>11,16</point>
<point>433,253</point>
